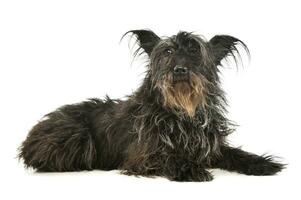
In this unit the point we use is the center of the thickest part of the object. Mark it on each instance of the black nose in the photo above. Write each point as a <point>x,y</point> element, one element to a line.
<point>179,70</point>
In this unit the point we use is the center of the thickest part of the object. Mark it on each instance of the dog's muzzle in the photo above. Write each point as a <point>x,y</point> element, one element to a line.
<point>180,73</point>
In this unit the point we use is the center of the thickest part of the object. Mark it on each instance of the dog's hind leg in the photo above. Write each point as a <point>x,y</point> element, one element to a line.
<point>61,142</point>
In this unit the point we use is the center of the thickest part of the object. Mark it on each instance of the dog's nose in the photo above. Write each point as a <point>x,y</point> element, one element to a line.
<point>179,70</point>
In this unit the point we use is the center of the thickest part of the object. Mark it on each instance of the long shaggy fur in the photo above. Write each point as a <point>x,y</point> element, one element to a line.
<point>185,96</point>
<point>173,126</point>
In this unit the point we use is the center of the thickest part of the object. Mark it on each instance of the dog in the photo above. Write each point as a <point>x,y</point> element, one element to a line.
<point>174,125</point>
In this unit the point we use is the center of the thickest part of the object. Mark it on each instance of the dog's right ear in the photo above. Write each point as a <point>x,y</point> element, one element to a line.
<point>146,39</point>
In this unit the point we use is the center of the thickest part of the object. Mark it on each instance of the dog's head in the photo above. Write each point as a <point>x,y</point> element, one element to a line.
<point>184,67</point>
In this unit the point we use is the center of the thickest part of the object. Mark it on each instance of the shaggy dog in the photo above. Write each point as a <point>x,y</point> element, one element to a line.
<point>173,126</point>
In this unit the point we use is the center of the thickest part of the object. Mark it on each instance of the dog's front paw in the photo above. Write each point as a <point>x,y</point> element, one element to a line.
<point>264,166</point>
<point>192,175</point>
<point>204,175</point>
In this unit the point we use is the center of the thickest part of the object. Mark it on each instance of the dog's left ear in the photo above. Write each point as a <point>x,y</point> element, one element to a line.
<point>225,45</point>
<point>147,39</point>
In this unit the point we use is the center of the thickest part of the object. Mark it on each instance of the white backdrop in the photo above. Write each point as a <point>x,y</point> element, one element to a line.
<point>59,52</point>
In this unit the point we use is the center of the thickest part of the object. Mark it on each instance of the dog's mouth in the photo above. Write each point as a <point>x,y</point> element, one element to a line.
<point>180,79</point>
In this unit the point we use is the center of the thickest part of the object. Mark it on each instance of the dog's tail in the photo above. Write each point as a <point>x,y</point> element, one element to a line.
<point>62,141</point>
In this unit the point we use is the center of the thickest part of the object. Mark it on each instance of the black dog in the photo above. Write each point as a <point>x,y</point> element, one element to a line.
<point>173,126</point>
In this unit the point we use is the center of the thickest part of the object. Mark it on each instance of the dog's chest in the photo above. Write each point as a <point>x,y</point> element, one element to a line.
<point>189,139</point>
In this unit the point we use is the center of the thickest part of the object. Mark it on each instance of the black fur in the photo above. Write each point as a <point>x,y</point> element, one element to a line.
<point>173,126</point>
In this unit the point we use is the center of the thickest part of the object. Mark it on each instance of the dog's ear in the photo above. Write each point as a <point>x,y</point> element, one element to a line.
<point>225,45</point>
<point>146,39</point>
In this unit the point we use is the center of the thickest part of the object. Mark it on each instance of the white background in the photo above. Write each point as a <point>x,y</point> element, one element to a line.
<point>59,52</point>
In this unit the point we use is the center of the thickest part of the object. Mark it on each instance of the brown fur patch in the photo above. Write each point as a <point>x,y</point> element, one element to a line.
<point>183,95</point>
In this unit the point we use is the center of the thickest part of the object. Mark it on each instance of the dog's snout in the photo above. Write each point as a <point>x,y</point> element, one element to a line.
<point>180,70</point>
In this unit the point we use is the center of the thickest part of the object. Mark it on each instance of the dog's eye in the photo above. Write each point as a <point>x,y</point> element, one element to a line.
<point>168,51</point>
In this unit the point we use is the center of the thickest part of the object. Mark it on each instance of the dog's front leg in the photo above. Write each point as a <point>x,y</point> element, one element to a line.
<point>184,171</point>
<point>235,159</point>
<point>172,168</point>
